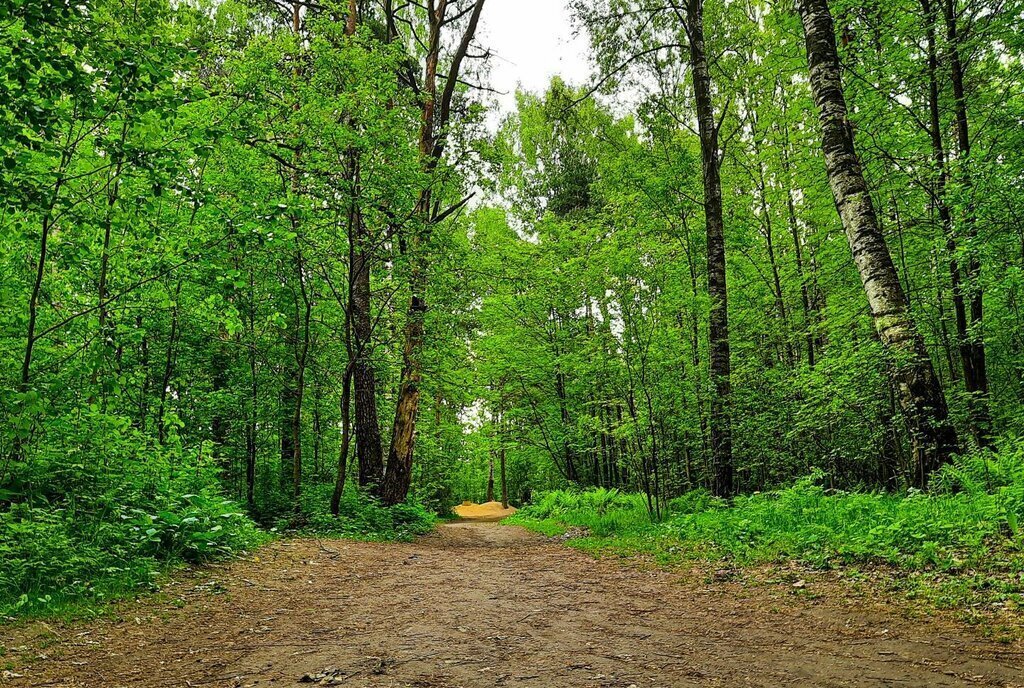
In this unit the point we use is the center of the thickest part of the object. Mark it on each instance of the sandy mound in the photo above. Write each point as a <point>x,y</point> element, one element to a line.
<point>489,511</point>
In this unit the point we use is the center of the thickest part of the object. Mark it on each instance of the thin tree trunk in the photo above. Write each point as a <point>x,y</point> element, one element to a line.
<point>346,438</point>
<point>504,475</point>
<point>250,424</point>
<point>571,473</point>
<point>296,428</point>
<point>490,478</point>
<point>721,427</point>
<point>161,432</point>
<point>250,432</point>
<point>939,198</point>
<point>794,230</point>
<point>317,432</point>
<point>920,395</point>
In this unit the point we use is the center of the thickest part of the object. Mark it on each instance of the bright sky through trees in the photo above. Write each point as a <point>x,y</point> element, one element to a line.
<point>532,40</point>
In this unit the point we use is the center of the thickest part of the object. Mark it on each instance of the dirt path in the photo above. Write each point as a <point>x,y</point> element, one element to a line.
<point>486,605</point>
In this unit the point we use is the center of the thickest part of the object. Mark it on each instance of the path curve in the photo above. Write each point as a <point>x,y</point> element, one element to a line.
<point>476,605</point>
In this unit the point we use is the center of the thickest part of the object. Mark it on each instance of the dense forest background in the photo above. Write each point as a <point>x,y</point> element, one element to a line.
<point>267,260</point>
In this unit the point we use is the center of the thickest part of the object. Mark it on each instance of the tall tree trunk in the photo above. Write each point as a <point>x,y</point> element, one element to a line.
<point>721,427</point>
<point>571,474</point>
<point>254,397</point>
<point>490,478</point>
<point>398,475</point>
<point>973,343</point>
<point>161,432</point>
<point>250,431</point>
<point>367,426</point>
<point>939,197</point>
<point>810,317</point>
<point>286,413</point>
<point>370,453</point>
<point>504,475</point>
<point>303,357</point>
<point>920,395</point>
<point>433,130</point>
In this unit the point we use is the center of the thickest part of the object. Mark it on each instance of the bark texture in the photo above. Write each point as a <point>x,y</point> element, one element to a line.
<point>367,426</point>
<point>972,343</point>
<point>918,391</point>
<point>720,363</point>
<point>433,132</point>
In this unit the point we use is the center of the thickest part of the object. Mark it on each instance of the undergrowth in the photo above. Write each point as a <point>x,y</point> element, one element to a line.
<point>110,515</point>
<point>70,558</point>
<point>359,518</point>
<point>966,530</point>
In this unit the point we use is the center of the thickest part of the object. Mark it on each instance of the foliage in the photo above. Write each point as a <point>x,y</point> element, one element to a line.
<point>970,522</point>
<point>214,213</point>
<point>119,535</point>
<point>361,517</point>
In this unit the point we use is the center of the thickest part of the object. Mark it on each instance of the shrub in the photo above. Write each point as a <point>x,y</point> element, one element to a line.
<point>98,521</point>
<point>360,516</point>
<point>972,517</point>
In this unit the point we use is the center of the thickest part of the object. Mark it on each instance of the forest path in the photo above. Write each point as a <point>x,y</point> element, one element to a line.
<point>480,604</point>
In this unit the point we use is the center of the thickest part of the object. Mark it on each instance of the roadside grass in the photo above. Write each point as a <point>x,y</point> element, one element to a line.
<point>64,564</point>
<point>959,546</point>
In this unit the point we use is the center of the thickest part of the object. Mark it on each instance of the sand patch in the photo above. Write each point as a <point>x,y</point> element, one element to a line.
<point>488,511</point>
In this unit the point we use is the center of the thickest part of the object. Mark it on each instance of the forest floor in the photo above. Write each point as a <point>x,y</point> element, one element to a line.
<point>480,604</point>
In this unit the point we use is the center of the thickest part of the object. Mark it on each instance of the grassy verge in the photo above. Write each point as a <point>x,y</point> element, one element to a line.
<point>64,563</point>
<point>959,546</point>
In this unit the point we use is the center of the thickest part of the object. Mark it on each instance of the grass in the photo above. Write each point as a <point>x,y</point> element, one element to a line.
<point>959,545</point>
<point>58,563</point>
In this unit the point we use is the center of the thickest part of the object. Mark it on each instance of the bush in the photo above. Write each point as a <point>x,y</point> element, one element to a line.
<point>971,518</point>
<point>57,558</point>
<point>89,519</point>
<point>360,516</point>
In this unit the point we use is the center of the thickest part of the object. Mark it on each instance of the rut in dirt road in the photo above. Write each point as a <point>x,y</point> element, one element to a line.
<point>488,605</point>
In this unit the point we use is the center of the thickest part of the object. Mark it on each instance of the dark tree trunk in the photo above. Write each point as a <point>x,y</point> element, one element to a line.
<point>346,438</point>
<point>161,432</point>
<point>571,473</point>
<point>798,254</point>
<point>220,365</point>
<point>369,450</point>
<point>368,439</point>
<point>972,345</point>
<point>250,432</point>
<point>504,475</point>
<point>919,393</point>
<point>718,320</point>
<point>286,412</point>
<point>303,357</point>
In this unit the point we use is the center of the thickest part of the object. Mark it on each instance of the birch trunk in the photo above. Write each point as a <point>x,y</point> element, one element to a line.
<point>918,391</point>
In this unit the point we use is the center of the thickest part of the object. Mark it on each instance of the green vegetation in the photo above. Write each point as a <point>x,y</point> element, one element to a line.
<point>255,255</point>
<point>360,517</point>
<point>969,524</point>
<point>126,526</point>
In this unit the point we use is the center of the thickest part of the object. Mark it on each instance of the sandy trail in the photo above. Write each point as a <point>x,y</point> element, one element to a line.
<point>479,604</point>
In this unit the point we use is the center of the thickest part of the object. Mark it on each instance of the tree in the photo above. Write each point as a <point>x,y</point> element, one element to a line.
<point>918,389</point>
<point>435,130</point>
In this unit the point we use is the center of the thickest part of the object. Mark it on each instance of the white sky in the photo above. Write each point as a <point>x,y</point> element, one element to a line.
<point>532,40</point>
